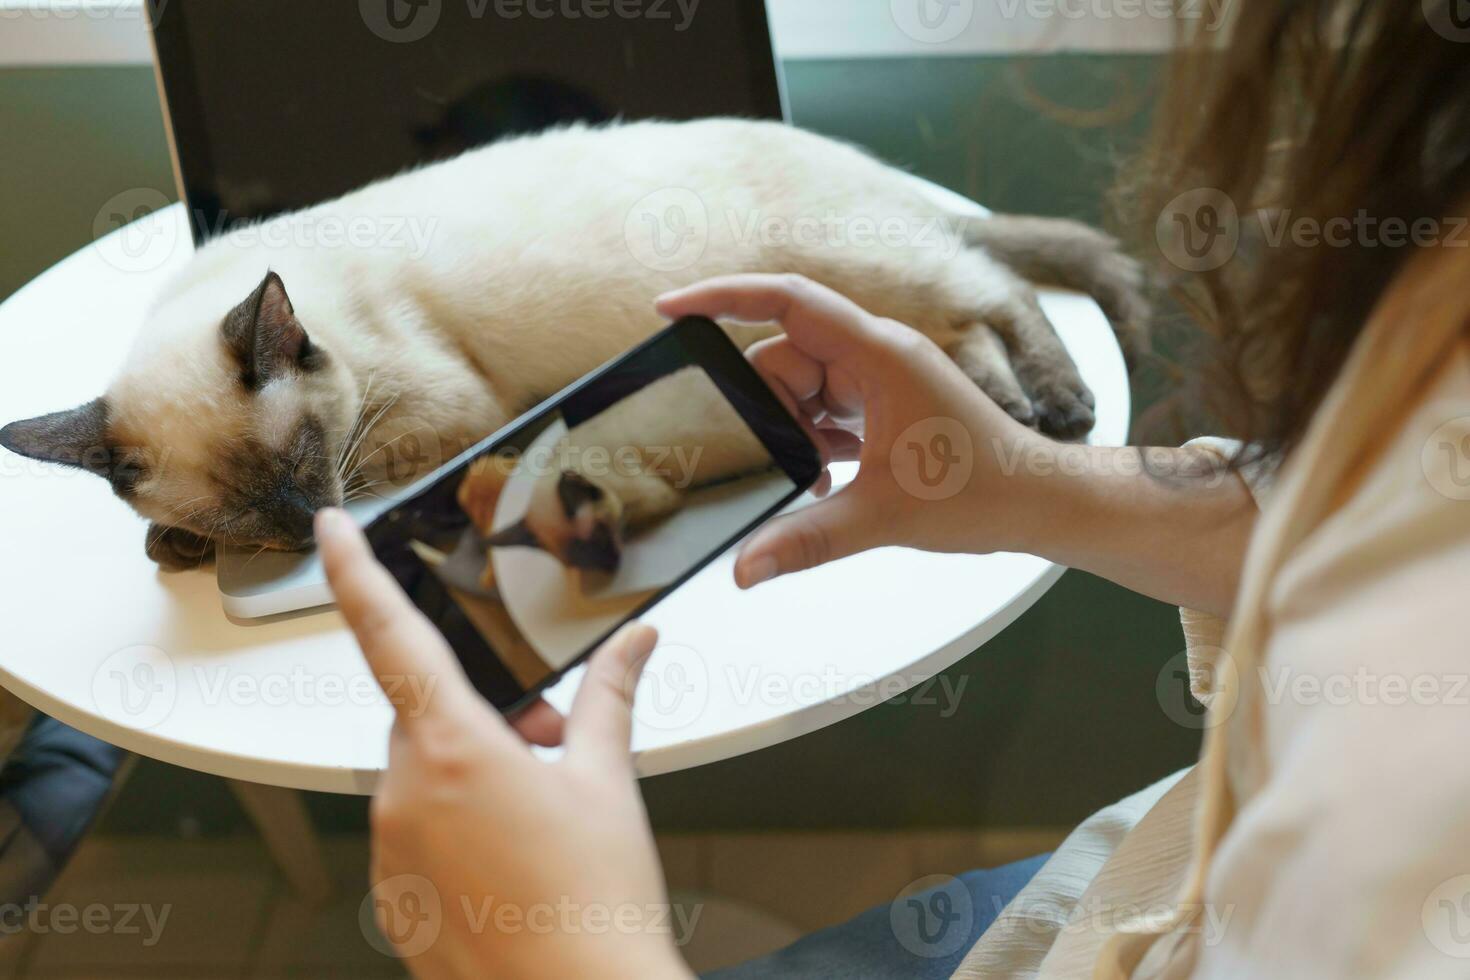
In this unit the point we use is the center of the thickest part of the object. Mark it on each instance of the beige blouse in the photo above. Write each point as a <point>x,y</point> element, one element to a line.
<point>1326,830</point>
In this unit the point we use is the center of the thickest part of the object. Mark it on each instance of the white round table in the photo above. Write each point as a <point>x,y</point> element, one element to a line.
<point>99,638</point>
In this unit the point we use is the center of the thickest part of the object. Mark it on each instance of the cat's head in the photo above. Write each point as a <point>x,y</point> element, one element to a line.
<point>573,519</point>
<point>227,430</point>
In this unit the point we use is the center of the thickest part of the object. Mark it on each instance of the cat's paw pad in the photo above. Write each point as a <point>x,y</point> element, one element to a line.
<point>1064,410</point>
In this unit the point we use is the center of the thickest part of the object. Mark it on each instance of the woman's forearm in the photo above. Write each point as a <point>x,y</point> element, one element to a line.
<point>1169,523</point>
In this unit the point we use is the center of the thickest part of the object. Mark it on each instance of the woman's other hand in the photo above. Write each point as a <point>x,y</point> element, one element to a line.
<point>536,869</point>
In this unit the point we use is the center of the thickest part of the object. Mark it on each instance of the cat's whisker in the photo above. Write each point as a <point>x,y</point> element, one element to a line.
<point>208,540</point>
<point>258,552</point>
<point>368,427</point>
<point>178,521</point>
<point>391,442</point>
<point>194,500</point>
<point>357,491</point>
<point>347,436</point>
<point>356,469</point>
<point>352,430</point>
<point>363,494</point>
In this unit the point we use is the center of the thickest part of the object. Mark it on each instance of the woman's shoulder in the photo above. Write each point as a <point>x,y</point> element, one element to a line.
<point>1408,510</point>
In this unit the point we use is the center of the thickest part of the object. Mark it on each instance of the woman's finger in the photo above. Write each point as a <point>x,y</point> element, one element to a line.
<point>823,323</point>
<point>823,486</point>
<point>778,359</point>
<point>539,724</point>
<point>833,528</point>
<point>411,661</point>
<point>601,723</point>
<point>843,446</point>
<point>765,355</point>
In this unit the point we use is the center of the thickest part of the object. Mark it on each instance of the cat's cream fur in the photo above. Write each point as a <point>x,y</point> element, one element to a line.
<point>532,274</point>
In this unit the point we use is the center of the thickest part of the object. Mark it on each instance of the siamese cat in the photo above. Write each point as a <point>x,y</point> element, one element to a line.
<point>270,372</point>
<point>622,470</point>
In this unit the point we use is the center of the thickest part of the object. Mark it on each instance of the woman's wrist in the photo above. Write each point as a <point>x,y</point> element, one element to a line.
<point>1171,523</point>
<point>1020,486</point>
<point>1048,486</point>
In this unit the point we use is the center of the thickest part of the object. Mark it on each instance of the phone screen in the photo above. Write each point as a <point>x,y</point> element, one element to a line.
<point>529,550</point>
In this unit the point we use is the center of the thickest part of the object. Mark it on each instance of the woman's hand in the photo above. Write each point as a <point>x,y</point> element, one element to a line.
<point>533,869</point>
<point>943,468</point>
<point>939,462</point>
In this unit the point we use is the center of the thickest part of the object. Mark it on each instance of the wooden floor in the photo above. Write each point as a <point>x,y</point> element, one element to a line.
<point>162,908</point>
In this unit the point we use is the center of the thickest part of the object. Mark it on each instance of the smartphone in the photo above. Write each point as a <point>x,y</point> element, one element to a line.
<point>532,548</point>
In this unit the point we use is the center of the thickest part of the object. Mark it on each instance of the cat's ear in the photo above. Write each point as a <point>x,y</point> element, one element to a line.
<point>264,334</point>
<point>77,437</point>
<point>575,492</point>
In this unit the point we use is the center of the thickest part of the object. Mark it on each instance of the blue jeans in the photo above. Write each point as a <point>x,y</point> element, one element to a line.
<point>918,937</point>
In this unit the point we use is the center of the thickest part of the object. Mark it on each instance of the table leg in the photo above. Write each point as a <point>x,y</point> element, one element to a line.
<point>280,816</point>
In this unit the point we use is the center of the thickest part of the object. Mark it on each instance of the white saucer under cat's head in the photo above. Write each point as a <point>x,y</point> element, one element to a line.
<point>254,584</point>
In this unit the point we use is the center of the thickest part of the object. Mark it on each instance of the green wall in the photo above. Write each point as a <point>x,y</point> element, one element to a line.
<point>70,139</point>
<point>1042,135</point>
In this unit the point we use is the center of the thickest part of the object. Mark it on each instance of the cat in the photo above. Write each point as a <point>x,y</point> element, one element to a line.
<point>621,470</point>
<point>243,408</point>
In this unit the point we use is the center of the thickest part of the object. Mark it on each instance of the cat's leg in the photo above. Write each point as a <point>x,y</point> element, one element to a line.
<point>945,296</point>
<point>970,288</point>
<point>981,354</point>
<point>1062,402</point>
<point>176,549</point>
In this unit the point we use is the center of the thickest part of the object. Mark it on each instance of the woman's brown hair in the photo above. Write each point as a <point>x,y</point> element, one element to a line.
<point>1296,116</point>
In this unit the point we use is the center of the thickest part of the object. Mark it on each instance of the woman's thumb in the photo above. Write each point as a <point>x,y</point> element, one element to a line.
<point>825,531</point>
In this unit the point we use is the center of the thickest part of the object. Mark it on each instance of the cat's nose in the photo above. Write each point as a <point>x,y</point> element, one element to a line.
<point>294,512</point>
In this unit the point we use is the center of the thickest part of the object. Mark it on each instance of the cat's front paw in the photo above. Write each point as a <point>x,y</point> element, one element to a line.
<point>175,549</point>
<point>1063,404</point>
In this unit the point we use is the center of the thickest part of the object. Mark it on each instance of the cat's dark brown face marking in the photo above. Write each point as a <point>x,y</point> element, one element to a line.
<point>270,494</point>
<point>573,519</point>
<point>235,440</point>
